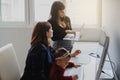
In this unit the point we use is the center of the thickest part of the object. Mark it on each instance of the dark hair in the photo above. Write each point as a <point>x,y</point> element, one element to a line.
<point>60,52</point>
<point>39,33</point>
<point>56,6</point>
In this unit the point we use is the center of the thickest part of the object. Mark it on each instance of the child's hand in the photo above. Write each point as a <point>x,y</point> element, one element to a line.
<point>74,77</point>
<point>76,66</point>
<point>75,53</point>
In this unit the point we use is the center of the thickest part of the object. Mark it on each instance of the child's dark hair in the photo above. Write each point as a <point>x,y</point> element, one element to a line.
<point>61,53</point>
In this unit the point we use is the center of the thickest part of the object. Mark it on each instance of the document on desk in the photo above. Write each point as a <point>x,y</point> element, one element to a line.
<point>81,59</point>
<point>75,71</point>
<point>72,36</point>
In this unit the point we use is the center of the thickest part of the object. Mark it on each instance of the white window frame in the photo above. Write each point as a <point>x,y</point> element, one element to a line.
<point>0,10</point>
<point>15,23</point>
<point>30,15</point>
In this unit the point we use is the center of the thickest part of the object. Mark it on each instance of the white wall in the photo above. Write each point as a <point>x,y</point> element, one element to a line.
<point>110,22</point>
<point>20,37</point>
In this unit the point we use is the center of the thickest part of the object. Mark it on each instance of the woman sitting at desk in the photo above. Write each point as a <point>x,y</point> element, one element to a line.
<point>40,56</point>
<point>61,26</point>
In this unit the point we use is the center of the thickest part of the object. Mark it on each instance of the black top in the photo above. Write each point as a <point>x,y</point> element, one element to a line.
<point>38,63</point>
<point>59,32</point>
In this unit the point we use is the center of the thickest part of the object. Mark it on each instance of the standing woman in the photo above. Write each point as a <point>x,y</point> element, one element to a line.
<point>61,26</point>
<point>40,57</point>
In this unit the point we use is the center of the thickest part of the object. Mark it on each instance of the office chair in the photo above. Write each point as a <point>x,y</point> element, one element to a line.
<point>9,68</point>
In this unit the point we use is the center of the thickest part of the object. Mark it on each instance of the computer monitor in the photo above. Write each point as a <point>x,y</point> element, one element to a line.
<point>103,57</point>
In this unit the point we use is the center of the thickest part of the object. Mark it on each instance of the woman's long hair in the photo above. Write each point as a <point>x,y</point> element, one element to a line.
<point>39,35</point>
<point>56,6</point>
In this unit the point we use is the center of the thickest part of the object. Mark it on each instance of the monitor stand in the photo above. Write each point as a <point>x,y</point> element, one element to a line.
<point>106,75</point>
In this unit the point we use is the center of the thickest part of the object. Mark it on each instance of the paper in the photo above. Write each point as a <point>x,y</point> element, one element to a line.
<point>75,71</point>
<point>81,59</point>
<point>72,36</point>
<point>77,36</point>
<point>69,37</point>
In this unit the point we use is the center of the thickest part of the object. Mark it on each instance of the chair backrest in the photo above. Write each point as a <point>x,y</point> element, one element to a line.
<point>9,68</point>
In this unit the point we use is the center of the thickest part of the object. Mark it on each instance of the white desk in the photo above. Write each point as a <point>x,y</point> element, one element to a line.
<point>88,62</point>
<point>108,75</point>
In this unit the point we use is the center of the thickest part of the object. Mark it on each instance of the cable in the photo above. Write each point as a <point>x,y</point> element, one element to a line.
<point>106,73</point>
<point>94,55</point>
<point>113,67</point>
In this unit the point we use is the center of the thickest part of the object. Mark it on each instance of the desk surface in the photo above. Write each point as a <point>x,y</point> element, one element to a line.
<point>88,62</point>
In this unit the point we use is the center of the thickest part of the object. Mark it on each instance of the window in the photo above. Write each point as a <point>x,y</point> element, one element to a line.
<point>42,9</point>
<point>83,12</point>
<point>12,11</point>
<point>30,11</point>
<point>24,12</point>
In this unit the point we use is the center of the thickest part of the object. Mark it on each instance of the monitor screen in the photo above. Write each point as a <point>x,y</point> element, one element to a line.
<point>103,57</point>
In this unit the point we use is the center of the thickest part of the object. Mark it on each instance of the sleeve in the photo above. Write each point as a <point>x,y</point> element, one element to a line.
<point>70,65</point>
<point>65,78</point>
<point>37,64</point>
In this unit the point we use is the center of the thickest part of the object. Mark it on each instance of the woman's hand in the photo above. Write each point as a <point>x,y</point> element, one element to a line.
<point>75,53</point>
<point>70,32</point>
<point>76,66</point>
<point>74,77</point>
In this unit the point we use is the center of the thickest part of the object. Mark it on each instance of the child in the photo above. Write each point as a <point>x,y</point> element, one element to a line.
<point>62,57</point>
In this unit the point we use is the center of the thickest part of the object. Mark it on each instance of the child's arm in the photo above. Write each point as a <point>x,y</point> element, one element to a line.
<point>70,65</point>
<point>74,77</point>
<point>75,53</point>
<point>66,78</point>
